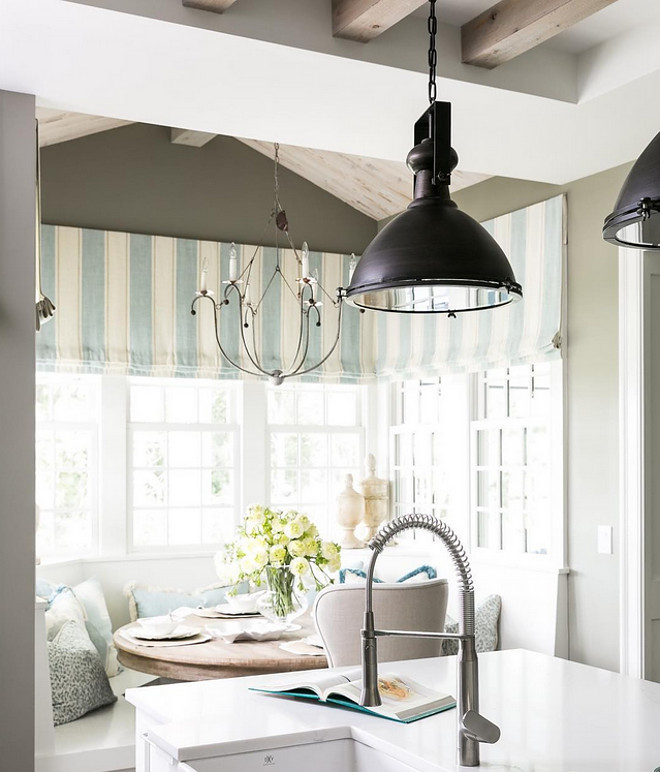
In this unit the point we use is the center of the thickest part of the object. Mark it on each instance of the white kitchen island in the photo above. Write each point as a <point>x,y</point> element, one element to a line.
<point>555,716</point>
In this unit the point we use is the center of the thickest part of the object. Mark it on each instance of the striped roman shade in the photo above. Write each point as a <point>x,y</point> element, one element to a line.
<point>123,307</point>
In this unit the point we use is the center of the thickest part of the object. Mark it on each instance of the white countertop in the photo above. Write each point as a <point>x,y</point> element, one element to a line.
<point>555,716</point>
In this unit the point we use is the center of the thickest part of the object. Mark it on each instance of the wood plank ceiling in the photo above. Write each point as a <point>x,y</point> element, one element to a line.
<point>373,186</point>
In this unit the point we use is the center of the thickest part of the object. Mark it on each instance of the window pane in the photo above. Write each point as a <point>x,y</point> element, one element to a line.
<point>185,526</point>
<point>284,485</point>
<point>217,449</point>
<point>73,529</point>
<point>313,449</point>
<point>217,525</point>
<point>149,449</point>
<point>185,449</point>
<point>214,406</point>
<point>284,449</point>
<point>513,446</point>
<point>310,407</point>
<point>184,487</point>
<point>180,405</point>
<point>281,406</point>
<point>148,488</point>
<point>345,450</point>
<point>341,409</point>
<point>149,527</point>
<point>71,490</point>
<point>313,486</point>
<point>147,404</point>
<point>71,402</point>
<point>217,487</point>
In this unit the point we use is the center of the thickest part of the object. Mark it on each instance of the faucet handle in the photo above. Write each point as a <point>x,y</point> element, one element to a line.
<point>478,728</point>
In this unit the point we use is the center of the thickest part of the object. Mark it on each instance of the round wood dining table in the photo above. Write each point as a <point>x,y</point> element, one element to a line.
<point>215,658</point>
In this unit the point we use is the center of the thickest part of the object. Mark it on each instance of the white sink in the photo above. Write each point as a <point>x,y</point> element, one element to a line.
<point>345,755</point>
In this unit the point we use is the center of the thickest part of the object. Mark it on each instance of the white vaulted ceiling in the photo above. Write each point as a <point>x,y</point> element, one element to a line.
<point>271,71</point>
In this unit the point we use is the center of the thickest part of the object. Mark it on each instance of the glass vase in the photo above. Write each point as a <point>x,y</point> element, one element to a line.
<point>282,601</point>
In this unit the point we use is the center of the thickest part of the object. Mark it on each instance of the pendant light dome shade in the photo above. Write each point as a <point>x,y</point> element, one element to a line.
<point>635,221</point>
<point>433,258</point>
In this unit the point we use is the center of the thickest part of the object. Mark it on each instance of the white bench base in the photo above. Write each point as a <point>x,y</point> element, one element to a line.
<point>101,741</point>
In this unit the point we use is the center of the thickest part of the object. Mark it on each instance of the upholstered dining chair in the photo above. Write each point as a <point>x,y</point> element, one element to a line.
<point>338,613</point>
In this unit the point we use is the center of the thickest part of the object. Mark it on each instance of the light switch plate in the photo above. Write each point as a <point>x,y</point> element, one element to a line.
<point>605,539</point>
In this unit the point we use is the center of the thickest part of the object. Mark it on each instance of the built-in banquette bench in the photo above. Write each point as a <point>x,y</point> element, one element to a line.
<point>533,616</point>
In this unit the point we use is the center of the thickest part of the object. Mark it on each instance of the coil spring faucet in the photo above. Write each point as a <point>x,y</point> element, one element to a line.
<point>473,728</point>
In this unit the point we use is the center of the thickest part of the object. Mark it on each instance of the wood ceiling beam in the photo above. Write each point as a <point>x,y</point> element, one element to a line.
<point>512,27</point>
<point>190,138</point>
<point>363,20</point>
<point>217,6</point>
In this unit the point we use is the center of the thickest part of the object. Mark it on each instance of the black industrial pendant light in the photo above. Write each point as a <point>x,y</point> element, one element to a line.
<point>433,258</point>
<point>635,221</point>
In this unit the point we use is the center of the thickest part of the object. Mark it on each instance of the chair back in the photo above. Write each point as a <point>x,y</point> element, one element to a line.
<point>339,614</point>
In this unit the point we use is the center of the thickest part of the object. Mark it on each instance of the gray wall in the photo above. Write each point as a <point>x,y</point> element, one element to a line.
<point>134,179</point>
<point>17,322</point>
<point>591,360</point>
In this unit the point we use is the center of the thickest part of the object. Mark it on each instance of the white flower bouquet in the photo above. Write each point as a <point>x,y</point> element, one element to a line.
<point>279,547</point>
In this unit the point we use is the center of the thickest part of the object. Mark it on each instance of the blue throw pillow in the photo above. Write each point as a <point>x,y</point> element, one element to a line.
<point>430,572</point>
<point>144,601</point>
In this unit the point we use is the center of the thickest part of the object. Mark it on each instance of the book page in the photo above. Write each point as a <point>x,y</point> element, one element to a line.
<point>321,685</point>
<point>400,695</point>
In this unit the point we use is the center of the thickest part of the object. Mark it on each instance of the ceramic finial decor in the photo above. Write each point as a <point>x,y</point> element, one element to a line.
<point>350,511</point>
<point>376,501</point>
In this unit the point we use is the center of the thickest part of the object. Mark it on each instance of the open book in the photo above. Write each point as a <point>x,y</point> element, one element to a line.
<point>402,698</point>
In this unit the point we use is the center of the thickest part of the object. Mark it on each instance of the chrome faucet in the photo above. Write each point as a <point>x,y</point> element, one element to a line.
<point>473,728</point>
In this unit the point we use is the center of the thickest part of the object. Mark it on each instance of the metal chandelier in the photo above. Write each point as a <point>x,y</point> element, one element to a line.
<point>305,294</point>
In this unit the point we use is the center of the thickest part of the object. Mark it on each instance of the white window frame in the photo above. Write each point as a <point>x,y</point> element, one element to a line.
<point>232,427</point>
<point>328,528</point>
<point>556,554</point>
<point>465,522</point>
<point>94,466</point>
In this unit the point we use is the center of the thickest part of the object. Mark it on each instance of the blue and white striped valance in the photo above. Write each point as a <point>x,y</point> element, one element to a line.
<point>123,307</point>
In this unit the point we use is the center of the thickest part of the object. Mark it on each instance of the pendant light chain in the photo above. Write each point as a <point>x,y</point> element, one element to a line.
<point>433,54</point>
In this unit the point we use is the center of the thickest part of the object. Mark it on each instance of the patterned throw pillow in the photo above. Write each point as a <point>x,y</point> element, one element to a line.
<point>78,680</point>
<point>486,616</point>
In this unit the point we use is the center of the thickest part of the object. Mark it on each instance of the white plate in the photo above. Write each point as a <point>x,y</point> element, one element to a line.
<point>232,630</point>
<point>182,631</point>
<point>231,611</point>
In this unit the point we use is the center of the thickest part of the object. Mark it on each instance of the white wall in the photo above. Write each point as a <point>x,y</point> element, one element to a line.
<point>17,325</point>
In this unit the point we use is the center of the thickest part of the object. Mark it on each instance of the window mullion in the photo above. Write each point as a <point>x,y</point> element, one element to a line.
<point>255,477</point>
<point>113,461</point>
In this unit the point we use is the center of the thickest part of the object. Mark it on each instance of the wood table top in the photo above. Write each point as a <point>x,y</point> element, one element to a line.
<point>215,658</point>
